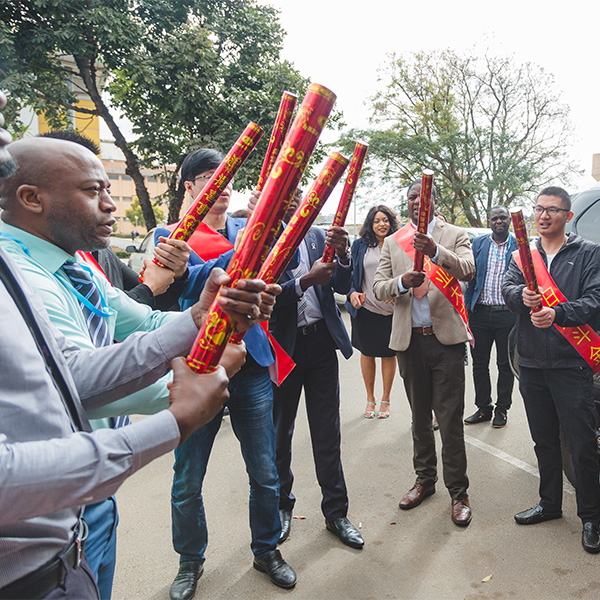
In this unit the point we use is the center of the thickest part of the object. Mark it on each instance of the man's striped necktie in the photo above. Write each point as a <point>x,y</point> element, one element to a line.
<point>96,324</point>
<point>302,303</point>
<point>97,327</point>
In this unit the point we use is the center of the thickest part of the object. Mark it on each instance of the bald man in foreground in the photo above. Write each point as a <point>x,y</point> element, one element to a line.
<point>50,463</point>
<point>57,203</point>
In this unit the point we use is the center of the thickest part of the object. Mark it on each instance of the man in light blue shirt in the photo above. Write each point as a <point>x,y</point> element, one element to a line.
<point>49,462</point>
<point>57,203</point>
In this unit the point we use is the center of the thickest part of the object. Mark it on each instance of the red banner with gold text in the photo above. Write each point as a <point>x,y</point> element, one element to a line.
<point>263,224</point>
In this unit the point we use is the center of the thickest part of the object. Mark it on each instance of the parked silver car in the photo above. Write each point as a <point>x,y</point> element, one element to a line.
<point>586,214</point>
<point>139,253</point>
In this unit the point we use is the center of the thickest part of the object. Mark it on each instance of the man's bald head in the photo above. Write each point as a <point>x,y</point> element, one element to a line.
<point>42,162</point>
<point>59,193</point>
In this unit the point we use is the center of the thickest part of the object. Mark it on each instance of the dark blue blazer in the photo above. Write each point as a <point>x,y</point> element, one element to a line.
<point>481,248</point>
<point>359,249</point>
<point>284,321</point>
<point>256,339</point>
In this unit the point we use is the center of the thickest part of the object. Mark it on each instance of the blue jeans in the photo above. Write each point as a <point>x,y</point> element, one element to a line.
<point>101,546</point>
<point>251,413</point>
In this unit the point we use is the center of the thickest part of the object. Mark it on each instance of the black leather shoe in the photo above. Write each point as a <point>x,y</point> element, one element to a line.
<point>478,417</point>
<point>590,538</point>
<point>286,524</point>
<point>537,514</point>
<point>499,420</point>
<point>184,585</point>
<point>347,533</point>
<point>279,572</point>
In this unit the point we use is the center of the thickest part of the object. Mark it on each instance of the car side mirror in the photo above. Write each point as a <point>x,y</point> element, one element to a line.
<point>131,249</point>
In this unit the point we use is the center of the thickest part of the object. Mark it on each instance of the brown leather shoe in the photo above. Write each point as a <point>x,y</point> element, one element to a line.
<point>461,511</point>
<point>416,495</point>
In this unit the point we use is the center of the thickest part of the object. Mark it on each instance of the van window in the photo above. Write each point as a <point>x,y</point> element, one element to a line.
<point>588,224</point>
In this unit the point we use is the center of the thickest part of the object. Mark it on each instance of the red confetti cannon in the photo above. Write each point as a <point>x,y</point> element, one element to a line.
<point>280,129</point>
<point>356,164</point>
<point>302,220</point>
<point>217,183</point>
<point>516,215</point>
<point>263,224</point>
<point>424,207</point>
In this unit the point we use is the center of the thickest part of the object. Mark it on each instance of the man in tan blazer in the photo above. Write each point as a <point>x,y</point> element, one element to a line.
<point>429,335</point>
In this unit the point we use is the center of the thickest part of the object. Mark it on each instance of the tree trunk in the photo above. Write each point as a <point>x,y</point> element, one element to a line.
<point>176,194</point>
<point>87,72</point>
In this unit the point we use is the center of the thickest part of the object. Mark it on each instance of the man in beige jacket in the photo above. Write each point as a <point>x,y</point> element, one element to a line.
<point>429,332</point>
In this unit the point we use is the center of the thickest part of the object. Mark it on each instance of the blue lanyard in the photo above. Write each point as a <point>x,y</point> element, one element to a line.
<point>105,312</point>
<point>493,244</point>
<point>17,240</point>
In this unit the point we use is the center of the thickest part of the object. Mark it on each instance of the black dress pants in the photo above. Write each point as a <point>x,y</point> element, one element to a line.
<point>563,399</point>
<point>489,326</point>
<point>317,372</point>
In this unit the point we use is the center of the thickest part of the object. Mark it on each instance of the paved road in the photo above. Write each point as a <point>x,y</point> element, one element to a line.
<point>417,554</point>
<point>124,242</point>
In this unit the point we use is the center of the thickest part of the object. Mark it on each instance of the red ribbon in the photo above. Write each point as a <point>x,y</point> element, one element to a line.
<point>444,282</point>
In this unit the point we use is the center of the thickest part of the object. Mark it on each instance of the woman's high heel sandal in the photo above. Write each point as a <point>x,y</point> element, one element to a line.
<point>370,414</point>
<point>384,414</point>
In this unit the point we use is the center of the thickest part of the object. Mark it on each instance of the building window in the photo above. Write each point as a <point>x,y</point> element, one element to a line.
<point>126,199</point>
<point>126,178</point>
<point>152,178</point>
<point>113,176</point>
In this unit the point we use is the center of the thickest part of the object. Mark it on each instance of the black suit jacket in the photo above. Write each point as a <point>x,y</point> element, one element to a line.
<point>283,324</point>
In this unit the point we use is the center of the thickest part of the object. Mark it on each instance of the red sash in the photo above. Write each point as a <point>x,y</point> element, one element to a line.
<point>208,244</point>
<point>583,338</point>
<point>88,258</point>
<point>444,282</point>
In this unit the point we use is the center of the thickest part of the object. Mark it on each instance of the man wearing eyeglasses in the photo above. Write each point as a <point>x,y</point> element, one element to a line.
<point>554,379</point>
<point>251,412</point>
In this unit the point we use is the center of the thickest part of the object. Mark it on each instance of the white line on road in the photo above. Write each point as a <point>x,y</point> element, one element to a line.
<point>511,460</point>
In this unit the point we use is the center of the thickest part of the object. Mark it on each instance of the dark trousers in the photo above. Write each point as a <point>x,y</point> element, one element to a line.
<point>490,326</point>
<point>78,583</point>
<point>434,379</point>
<point>563,399</point>
<point>317,372</point>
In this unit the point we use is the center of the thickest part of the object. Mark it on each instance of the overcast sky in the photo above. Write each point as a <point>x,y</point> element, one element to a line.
<point>341,45</point>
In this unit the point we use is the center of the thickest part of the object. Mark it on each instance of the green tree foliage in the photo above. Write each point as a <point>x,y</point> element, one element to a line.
<point>186,73</point>
<point>135,210</point>
<point>492,130</point>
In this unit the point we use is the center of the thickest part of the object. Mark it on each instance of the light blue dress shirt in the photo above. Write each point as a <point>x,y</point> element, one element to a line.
<point>421,315</point>
<point>41,264</point>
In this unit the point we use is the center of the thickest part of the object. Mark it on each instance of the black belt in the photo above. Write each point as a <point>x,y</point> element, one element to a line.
<point>493,307</point>
<point>42,581</point>
<point>312,328</point>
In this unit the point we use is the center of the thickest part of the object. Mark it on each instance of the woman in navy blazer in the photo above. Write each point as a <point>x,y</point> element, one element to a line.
<point>371,318</point>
